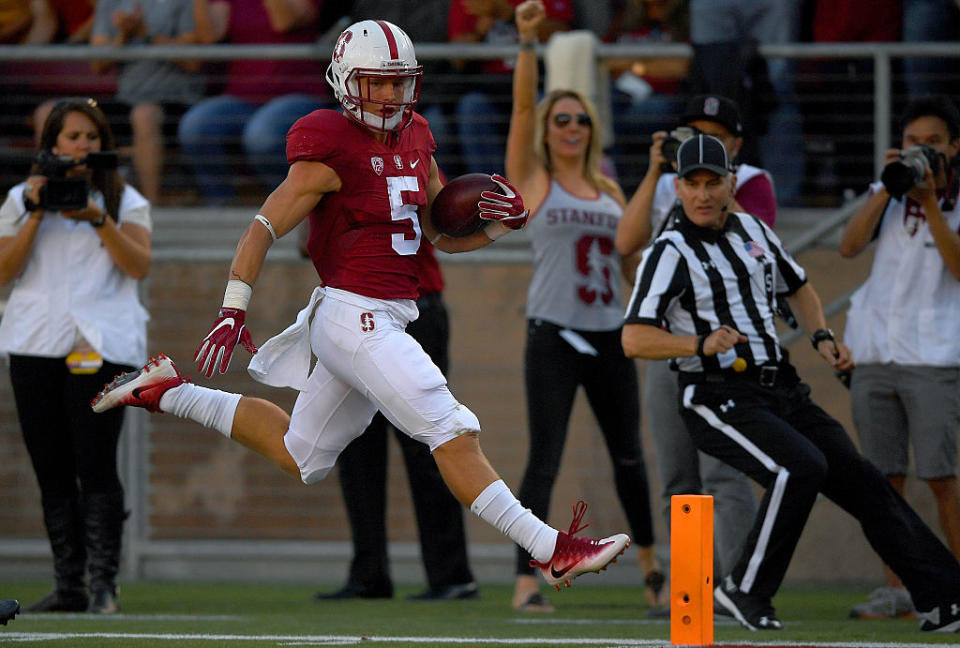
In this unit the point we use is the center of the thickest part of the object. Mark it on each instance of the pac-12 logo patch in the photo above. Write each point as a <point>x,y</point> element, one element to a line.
<point>377,163</point>
<point>366,322</point>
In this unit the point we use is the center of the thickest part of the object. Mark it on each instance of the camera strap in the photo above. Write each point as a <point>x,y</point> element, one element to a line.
<point>953,188</point>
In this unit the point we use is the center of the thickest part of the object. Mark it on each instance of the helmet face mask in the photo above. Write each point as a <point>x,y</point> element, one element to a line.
<point>367,54</point>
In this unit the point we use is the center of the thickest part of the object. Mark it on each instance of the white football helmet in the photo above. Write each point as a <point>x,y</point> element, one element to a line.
<point>370,51</point>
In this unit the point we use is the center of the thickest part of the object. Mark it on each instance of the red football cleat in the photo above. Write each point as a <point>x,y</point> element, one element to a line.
<point>574,556</point>
<point>141,388</point>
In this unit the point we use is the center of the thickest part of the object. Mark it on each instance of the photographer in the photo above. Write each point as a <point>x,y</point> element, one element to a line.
<point>73,321</point>
<point>903,325</point>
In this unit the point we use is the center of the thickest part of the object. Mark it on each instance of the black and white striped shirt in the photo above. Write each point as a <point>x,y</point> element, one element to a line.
<point>693,279</point>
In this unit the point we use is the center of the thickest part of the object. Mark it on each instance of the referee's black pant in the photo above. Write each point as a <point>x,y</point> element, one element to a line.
<point>791,447</point>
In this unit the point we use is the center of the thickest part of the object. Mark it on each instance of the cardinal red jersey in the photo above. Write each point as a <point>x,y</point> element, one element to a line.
<point>364,238</point>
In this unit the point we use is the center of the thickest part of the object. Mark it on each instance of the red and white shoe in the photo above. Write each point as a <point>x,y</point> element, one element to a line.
<point>141,388</point>
<point>574,556</point>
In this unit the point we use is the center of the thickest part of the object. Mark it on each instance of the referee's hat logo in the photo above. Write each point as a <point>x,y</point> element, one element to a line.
<point>702,152</point>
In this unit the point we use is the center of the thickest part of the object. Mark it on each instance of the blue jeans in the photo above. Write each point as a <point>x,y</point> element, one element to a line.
<point>212,127</point>
<point>482,125</point>
<point>924,21</point>
<point>767,21</point>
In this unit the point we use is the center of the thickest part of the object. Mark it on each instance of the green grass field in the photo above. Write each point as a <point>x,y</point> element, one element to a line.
<point>255,615</point>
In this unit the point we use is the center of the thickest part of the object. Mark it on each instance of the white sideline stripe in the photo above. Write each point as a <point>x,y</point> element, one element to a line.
<point>84,616</point>
<point>16,637</point>
<point>12,637</point>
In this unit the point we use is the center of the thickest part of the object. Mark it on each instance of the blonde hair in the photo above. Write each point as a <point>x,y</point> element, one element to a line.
<point>591,166</point>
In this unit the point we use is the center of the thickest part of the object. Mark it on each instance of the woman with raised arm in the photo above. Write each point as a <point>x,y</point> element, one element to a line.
<point>574,309</point>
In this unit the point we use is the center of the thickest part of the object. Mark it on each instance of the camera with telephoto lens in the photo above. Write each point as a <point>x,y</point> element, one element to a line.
<point>900,175</point>
<point>61,193</point>
<point>671,144</point>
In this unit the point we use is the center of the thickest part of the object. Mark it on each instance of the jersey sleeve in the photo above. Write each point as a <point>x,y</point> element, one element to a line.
<point>315,137</point>
<point>756,196</point>
<point>12,212</point>
<point>661,277</point>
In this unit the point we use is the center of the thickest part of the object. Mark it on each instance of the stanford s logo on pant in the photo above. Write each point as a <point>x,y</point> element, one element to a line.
<point>366,322</point>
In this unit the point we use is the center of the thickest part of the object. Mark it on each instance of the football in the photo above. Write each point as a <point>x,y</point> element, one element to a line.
<point>454,211</point>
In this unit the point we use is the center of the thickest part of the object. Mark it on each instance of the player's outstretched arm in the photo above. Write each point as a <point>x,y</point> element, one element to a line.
<point>306,183</point>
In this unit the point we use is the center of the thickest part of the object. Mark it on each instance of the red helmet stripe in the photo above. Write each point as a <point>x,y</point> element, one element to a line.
<point>391,40</point>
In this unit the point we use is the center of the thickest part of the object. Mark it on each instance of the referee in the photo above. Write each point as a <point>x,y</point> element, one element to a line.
<point>706,294</point>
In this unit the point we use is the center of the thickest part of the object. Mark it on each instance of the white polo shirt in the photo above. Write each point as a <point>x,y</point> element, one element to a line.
<point>908,310</point>
<point>70,285</point>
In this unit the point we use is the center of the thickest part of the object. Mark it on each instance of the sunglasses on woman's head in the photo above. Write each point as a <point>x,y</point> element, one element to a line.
<point>562,119</point>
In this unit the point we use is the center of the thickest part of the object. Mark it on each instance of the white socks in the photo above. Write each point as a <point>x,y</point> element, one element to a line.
<point>498,506</point>
<point>210,408</point>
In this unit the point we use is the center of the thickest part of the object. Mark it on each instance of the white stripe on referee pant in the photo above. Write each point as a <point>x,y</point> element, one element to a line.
<point>776,495</point>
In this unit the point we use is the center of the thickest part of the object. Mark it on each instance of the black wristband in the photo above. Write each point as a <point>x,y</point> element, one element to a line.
<point>28,204</point>
<point>97,224</point>
<point>820,335</point>
<point>700,341</point>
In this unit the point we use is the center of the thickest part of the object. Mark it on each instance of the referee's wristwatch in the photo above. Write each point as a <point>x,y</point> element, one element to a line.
<point>820,335</point>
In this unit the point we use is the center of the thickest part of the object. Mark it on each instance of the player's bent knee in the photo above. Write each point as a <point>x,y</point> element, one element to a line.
<point>456,423</point>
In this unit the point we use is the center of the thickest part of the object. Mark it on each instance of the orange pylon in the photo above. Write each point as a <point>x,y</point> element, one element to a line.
<point>691,570</point>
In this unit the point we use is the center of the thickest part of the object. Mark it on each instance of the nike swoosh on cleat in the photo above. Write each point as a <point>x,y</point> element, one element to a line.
<point>559,574</point>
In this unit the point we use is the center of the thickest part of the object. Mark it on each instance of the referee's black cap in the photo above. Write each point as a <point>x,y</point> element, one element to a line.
<point>702,152</point>
<point>715,108</point>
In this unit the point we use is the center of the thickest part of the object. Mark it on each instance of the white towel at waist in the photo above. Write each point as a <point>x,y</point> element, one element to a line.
<point>285,359</point>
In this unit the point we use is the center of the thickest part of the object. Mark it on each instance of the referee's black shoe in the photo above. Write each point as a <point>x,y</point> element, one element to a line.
<point>356,591</point>
<point>8,610</point>
<point>752,611</point>
<point>943,618</point>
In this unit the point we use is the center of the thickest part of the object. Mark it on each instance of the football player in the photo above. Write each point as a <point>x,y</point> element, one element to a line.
<point>365,179</point>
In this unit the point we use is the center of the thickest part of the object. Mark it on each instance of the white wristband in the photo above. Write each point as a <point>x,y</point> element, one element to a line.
<point>237,294</point>
<point>495,229</point>
<point>266,223</point>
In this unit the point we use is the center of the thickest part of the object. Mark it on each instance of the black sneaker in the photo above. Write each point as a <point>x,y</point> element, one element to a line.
<point>459,592</point>
<point>355,591</point>
<point>943,618</point>
<point>752,611</point>
<point>8,609</point>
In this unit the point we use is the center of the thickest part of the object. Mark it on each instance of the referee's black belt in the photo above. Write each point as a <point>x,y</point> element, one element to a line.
<point>767,375</point>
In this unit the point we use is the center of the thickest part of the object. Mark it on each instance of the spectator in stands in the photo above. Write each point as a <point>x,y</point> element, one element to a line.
<point>73,320</point>
<point>837,94</point>
<point>15,19</point>
<point>362,467</point>
<point>58,21</point>
<point>647,92</point>
<point>61,21</point>
<point>725,35</point>
<point>682,469</point>
<point>483,108</point>
<point>261,99</point>
<point>903,326</point>
<point>925,21</point>
<point>574,309</point>
<point>154,91</point>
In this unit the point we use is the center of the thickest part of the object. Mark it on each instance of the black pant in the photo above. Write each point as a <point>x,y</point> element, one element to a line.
<point>363,474</point>
<point>791,447</point>
<point>74,455</point>
<point>72,449</point>
<point>554,370</point>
